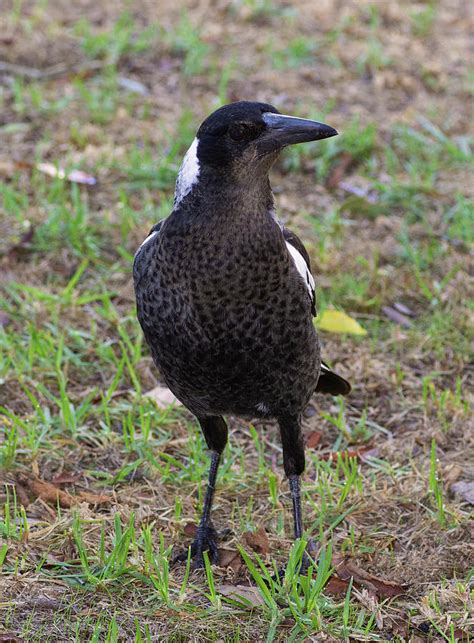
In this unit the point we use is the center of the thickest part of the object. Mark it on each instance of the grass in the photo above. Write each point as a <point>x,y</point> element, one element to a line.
<point>74,369</point>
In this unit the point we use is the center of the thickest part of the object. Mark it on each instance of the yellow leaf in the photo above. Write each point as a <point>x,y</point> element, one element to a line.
<point>336,321</point>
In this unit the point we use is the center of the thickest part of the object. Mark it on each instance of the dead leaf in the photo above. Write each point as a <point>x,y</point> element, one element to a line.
<point>47,491</point>
<point>258,540</point>
<point>464,489</point>
<point>336,586</point>
<point>163,397</point>
<point>190,529</point>
<point>21,493</point>
<point>230,558</point>
<point>338,171</point>
<point>337,321</point>
<point>93,498</point>
<point>75,176</point>
<point>313,439</point>
<point>9,637</point>
<point>66,478</point>
<point>396,316</point>
<point>249,595</point>
<point>346,568</point>
<point>51,494</point>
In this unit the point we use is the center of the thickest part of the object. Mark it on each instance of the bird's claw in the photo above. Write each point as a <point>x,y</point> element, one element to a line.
<point>206,540</point>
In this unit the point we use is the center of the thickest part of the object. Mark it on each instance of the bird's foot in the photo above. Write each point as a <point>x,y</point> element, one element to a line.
<point>206,540</point>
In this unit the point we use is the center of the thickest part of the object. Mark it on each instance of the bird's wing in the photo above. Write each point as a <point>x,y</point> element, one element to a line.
<point>329,382</point>
<point>332,383</point>
<point>151,235</point>
<point>301,259</point>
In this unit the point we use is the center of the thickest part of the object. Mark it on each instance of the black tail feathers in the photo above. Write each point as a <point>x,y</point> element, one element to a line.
<point>332,383</point>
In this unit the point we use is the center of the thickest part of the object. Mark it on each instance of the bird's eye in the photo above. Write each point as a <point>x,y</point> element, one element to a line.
<point>243,131</point>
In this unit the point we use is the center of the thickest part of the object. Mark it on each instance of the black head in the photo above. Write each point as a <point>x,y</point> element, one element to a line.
<point>250,135</point>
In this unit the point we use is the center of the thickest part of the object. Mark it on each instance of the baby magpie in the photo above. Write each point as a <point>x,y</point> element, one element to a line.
<point>225,295</point>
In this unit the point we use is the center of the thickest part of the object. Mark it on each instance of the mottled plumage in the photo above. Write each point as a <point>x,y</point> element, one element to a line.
<point>226,305</point>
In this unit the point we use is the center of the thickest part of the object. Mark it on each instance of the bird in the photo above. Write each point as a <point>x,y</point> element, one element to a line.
<point>226,298</point>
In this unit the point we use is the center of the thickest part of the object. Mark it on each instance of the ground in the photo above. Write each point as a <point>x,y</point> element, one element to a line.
<point>99,482</point>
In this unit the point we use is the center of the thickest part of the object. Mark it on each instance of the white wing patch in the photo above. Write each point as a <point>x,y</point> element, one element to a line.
<point>188,174</point>
<point>302,268</point>
<point>149,238</point>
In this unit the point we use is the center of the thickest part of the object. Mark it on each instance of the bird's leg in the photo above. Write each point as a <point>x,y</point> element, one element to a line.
<point>294,481</point>
<point>294,463</point>
<point>215,433</point>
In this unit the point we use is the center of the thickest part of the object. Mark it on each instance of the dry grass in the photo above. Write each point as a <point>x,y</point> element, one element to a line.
<point>392,78</point>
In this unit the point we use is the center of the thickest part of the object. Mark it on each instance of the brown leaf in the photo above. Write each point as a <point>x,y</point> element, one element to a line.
<point>163,397</point>
<point>396,316</point>
<point>230,558</point>
<point>66,478</point>
<point>258,540</point>
<point>47,491</point>
<point>22,493</point>
<point>93,498</point>
<point>313,439</point>
<point>52,495</point>
<point>345,568</point>
<point>10,637</point>
<point>339,170</point>
<point>336,586</point>
<point>190,529</point>
<point>464,489</point>
<point>250,594</point>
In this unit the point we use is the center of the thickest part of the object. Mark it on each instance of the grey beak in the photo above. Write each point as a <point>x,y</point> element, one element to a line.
<point>287,130</point>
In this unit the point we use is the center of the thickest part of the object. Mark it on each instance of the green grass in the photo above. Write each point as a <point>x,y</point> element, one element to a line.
<point>74,367</point>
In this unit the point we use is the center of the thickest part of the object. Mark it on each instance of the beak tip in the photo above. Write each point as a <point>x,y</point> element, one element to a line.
<point>331,131</point>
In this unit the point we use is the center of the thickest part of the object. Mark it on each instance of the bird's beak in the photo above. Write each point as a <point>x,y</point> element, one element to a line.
<point>285,130</point>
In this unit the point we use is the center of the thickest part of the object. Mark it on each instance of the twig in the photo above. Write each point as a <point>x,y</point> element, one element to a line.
<point>55,71</point>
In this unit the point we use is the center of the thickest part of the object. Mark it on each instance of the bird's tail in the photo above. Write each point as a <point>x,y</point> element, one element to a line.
<point>332,383</point>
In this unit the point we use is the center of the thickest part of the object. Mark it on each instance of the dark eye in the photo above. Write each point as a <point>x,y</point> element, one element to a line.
<point>244,131</point>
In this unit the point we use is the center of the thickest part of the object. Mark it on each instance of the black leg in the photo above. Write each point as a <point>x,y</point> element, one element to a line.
<point>215,434</point>
<point>294,463</point>
<point>294,481</point>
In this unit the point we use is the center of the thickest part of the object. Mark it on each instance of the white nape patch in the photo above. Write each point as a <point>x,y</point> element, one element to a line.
<point>188,174</point>
<point>262,407</point>
<point>149,238</point>
<point>325,368</point>
<point>302,268</point>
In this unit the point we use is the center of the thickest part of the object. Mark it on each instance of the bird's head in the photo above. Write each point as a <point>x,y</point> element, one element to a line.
<point>242,140</point>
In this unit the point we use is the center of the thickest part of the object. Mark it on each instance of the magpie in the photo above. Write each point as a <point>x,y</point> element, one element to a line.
<point>225,295</point>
